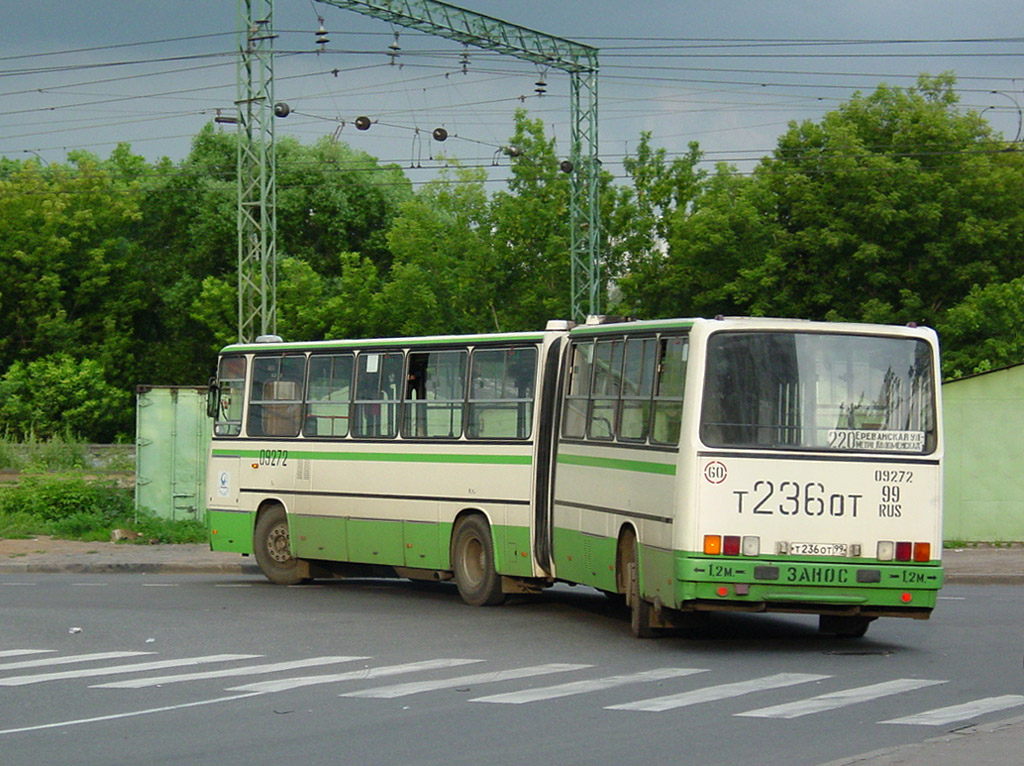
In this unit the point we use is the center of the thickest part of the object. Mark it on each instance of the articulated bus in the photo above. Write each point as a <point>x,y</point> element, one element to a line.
<point>684,466</point>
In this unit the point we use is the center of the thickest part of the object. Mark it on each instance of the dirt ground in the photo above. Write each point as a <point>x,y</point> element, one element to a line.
<point>46,544</point>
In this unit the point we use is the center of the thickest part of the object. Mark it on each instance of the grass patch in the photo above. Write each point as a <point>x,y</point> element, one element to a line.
<point>74,507</point>
<point>32,454</point>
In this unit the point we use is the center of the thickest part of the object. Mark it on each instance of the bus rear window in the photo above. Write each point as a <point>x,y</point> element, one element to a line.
<point>818,391</point>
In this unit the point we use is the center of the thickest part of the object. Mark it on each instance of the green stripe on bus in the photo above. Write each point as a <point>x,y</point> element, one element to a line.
<point>387,457</point>
<point>639,466</point>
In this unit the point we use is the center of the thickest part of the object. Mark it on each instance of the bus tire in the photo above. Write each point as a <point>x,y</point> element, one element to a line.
<point>473,563</point>
<point>641,611</point>
<point>271,545</point>
<point>844,627</point>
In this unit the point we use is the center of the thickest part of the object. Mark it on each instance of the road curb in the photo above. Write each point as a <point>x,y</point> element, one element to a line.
<point>136,568</point>
<point>983,579</point>
<point>893,756</point>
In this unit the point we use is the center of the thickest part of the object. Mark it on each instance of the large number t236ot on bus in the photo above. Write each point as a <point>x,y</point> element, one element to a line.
<point>685,465</point>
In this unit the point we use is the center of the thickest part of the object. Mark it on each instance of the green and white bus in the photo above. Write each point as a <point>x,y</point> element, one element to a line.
<point>690,465</point>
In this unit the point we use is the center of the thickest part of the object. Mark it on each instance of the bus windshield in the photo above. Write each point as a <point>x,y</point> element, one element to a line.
<point>838,392</point>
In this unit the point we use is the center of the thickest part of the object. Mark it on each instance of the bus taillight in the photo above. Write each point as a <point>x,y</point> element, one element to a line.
<point>904,551</point>
<point>732,545</point>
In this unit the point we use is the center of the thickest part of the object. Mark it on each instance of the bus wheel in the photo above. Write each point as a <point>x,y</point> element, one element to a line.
<point>640,610</point>
<point>272,548</point>
<point>844,627</point>
<point>473,562</point>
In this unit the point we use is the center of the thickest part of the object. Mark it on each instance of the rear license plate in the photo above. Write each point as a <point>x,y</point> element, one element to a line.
<point>819,549</point>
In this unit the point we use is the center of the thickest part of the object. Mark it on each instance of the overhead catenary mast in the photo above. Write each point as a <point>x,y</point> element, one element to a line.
<point>256,167</point>
<point>256,159</point>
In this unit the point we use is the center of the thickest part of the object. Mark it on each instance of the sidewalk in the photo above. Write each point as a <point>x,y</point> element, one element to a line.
<point>998,744</point>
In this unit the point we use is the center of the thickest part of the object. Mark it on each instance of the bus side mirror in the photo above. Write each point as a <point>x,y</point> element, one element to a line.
<point>212,398</point>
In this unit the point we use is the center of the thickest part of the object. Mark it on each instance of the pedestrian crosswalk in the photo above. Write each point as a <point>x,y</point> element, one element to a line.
<point>622,692</point>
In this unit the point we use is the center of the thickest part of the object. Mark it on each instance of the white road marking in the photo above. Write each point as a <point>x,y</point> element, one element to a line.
<point>115,716</point>
<point>713,693</point>
<point>943,715</point>
<point>138,667</point>
<point>354,675</point>
<point>274,667</point>
<point>583,687</point>
<point>840,699</point>
<point>20,652</point>
<point>415,687</point>
<point>68,660</point>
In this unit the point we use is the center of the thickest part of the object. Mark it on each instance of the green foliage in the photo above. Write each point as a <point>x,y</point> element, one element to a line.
<point>57,395</point>
<point>73,506</point>
<point>897,206</point>
<point>985,331</point>
<point>58,453</point>
<point>152,529</point>
<point>58,497</point>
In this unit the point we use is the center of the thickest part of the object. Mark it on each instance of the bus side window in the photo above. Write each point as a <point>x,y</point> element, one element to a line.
<point>581,363</point>
<point>637,385</point>
<point>668,389</point>
<point>275,398</point>
<point>435,395</point>
<point>378,389</point>
<point>604,397</point>
<point>501,393</point>
<point>329,391</point>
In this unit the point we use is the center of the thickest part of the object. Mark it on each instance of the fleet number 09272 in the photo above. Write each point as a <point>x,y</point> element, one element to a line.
<point>792,498</point>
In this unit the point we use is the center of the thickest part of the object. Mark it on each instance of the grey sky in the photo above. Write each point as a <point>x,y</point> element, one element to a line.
<point>715,72</point>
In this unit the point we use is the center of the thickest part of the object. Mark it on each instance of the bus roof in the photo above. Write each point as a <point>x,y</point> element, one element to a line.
<point>590,328</point>
<point>521,337</point>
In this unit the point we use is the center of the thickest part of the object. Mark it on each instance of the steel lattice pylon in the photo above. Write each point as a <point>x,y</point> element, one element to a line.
<point>580,61</point>
<point>256,166</point>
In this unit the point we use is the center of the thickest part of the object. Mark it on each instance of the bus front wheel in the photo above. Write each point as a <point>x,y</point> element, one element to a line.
<point>473,563</point>
<point>271,545</point>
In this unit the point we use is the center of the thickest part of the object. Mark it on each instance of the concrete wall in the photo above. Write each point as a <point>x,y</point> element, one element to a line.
<point>984,468</point>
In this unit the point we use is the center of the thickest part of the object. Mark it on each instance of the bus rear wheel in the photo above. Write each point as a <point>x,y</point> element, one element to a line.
<point>271,545</point>
<point>844,627</point>
<point>641,611</point>
<point>473,563</point>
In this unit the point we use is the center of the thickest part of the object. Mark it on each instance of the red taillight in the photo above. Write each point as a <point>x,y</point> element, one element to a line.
<point>731,545</point>
<point>903,551</point>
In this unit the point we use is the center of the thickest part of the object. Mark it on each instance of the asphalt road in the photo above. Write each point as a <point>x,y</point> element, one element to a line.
<point>127,669</point>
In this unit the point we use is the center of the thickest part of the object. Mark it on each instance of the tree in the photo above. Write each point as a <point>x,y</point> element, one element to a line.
<point>59,395</point>
<point>985,331</point>
<point>531,235</point>
<point>444,255</point>
<point>888,210</point>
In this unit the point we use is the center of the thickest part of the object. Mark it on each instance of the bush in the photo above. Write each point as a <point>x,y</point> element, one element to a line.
<point>74,507</point>
<point>59,453</point>
<point>56,497</point>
